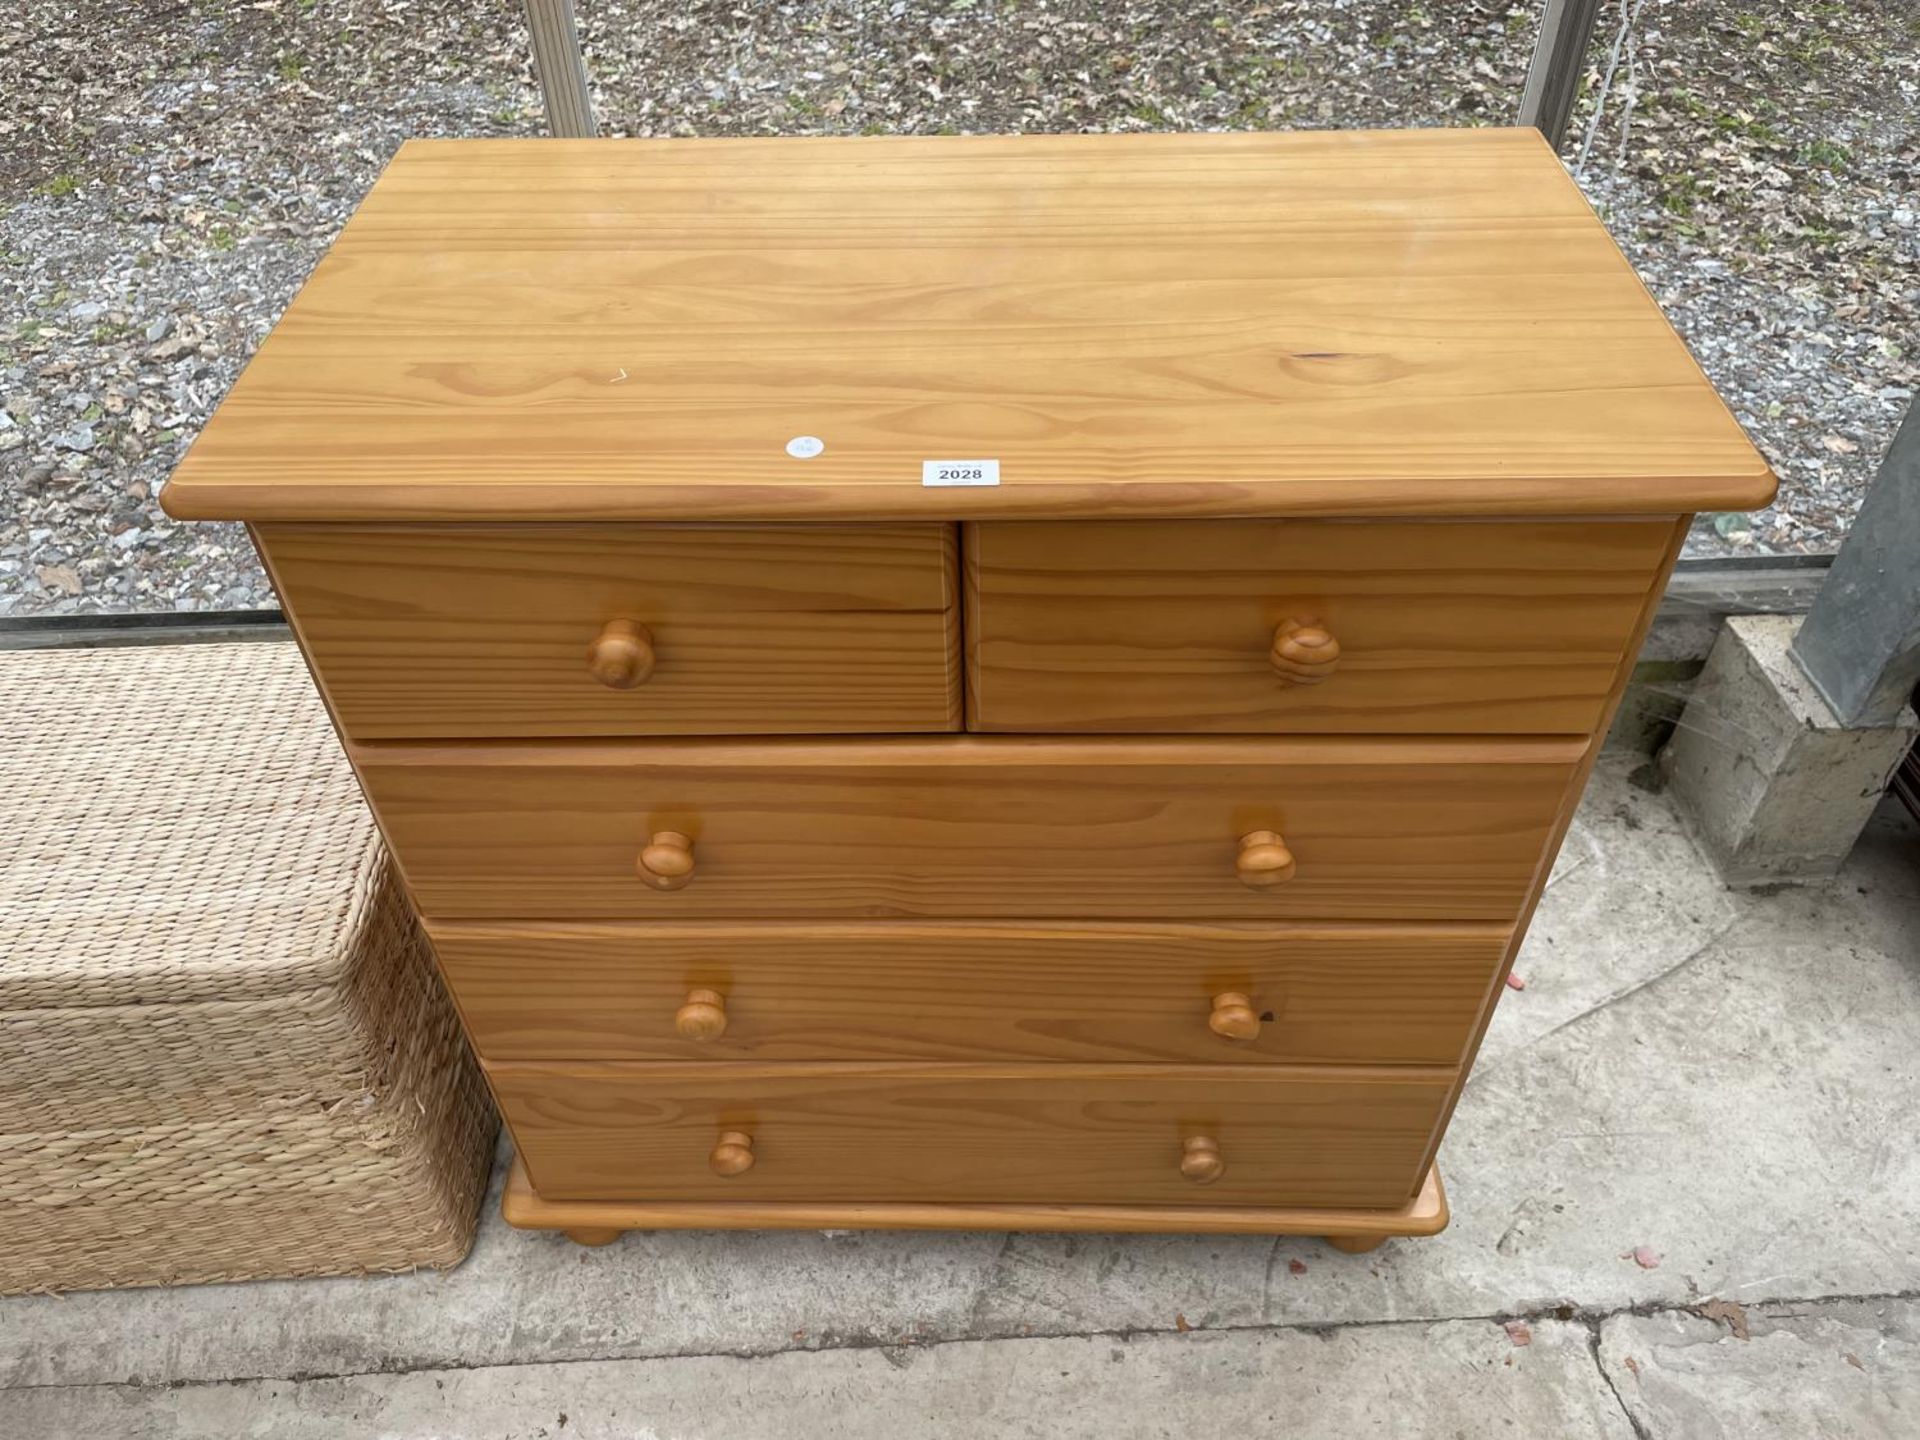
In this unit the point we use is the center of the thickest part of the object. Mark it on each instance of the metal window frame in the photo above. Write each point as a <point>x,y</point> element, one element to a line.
<point>1546,102</point>
<point>561,66</point>
<point>1559,57</point>
<point>1860,642</point>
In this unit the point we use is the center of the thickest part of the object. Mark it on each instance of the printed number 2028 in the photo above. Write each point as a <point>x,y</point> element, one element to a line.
<point>959,472</point>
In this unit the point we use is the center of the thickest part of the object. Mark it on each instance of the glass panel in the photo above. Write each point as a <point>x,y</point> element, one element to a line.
<point>170,174</point>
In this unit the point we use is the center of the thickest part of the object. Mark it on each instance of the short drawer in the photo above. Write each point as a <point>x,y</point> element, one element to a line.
<point>1258,626</point>
<point>1060,1134</point>
<point>507,630</point>
<point>983,990</point>
<point>1275,829</point>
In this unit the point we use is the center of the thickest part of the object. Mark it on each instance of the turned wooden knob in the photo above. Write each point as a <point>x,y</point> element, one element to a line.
<point>1263,860</point>
<point>703,1017</point>
<point>667,862</point>
<point>1303,654</point>
<point>621,655</point>
<point>732,1153</point>
<point>1200,1160</point>
<point>1234,1016</point>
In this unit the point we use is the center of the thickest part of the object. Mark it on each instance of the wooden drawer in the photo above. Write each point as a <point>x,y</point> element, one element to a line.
<point>971,990</point>
<point>485,630</point>
<point>1170,626</point>
<point>1074,829</point>
<point>1069,1134</point>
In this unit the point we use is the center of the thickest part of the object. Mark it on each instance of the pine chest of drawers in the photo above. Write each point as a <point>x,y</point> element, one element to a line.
<point>1019,682</point>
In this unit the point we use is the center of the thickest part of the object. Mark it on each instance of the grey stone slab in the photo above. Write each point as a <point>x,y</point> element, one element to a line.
<point>1443,1380</point>
<point>1630,897</point>
<point>1747,1115</point>
<point>1739,1099</point>
<point>1847,1370</point>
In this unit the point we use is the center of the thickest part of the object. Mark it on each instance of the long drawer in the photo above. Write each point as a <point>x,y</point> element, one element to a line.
<point>1085,829</point>
<point>511,630</point>
<point>1256,626</point>
<point>1235,992</point>
<point>1059,1134</point>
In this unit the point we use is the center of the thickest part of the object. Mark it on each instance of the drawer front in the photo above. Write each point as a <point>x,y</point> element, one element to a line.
<point>494,630</point>
<point>1225,993</point>
<point>1172,626</point>
<point>972,827</point>
<point>1061,1134</point>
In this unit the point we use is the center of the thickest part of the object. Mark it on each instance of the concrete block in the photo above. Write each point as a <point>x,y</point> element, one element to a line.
<point>1775,788</point>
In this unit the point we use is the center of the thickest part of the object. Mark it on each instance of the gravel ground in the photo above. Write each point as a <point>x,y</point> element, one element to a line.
<point>169,172</point>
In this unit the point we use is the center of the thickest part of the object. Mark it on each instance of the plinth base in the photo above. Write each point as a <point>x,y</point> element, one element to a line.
<point>598,1222</point>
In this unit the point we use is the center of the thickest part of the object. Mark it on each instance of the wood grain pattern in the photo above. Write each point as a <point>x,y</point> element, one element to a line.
<point>1062,1134</point>
<point>964,826</point>
<point>525,1208</point>
<point>1168,626</point>
<point>967,990</point>
<point>485,630</point>
<point>1412,322</point>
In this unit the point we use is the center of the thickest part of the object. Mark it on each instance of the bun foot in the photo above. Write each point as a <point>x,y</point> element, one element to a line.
<point>593,1235</point>
<point>1355,1244</point>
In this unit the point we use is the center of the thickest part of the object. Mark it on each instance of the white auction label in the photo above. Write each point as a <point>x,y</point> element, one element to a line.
<point>805,447</point>
<point>959,472</point>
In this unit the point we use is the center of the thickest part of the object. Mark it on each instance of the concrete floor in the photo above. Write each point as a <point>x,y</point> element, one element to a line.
<point>1726,1084</point>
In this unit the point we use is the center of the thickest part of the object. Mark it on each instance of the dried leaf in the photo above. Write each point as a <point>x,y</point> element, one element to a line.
<point>62,578</point>
<point>1728,1313</point>
<point>1519,1332</point>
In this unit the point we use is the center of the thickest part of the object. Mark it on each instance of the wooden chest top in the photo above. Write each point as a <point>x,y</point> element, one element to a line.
<point>1411,323</point>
